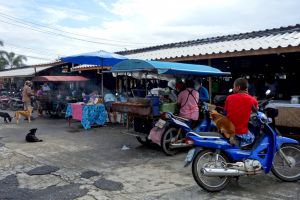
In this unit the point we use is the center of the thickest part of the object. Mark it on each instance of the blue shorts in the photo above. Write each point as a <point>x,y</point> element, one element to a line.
<point>245,139</point>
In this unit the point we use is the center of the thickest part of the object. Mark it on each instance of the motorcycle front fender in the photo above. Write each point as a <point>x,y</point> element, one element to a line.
<point>280,140</point>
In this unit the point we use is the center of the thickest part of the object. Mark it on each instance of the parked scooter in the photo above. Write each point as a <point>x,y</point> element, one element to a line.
<point>4,102</point>
<point>214,160</point>
<point>176,128</point>
<point>15,101</point>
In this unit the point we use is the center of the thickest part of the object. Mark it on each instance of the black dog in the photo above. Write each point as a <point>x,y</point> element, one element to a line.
<point>6,116</point>
<point>30,137</point>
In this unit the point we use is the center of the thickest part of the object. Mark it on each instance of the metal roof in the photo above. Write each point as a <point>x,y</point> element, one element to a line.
<point>59,78</point>
<point>22,72</point>
<point>268,39</point>
<point>89,67</point>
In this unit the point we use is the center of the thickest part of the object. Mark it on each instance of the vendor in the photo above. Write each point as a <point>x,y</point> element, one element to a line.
<point>45,87</point>
<point>188,101</point>
<point>109,98</point>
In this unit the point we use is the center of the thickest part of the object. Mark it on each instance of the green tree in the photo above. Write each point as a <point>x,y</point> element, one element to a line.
<point>2,62</point>
<point>12,60</point>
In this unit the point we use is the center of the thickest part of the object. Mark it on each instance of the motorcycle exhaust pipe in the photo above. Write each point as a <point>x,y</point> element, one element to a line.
<point>180,145</point>
<point>221,172</point>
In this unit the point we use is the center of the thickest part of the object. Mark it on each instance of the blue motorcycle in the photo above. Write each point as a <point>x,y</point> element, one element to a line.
<point>176,129</point>
<point>214,160</point>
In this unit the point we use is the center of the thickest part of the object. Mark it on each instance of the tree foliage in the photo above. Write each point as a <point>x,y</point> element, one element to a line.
<point>10,59</point>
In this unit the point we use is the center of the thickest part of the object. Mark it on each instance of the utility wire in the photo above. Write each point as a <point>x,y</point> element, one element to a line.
<point>31,49</point>
<point>61,35</point>
<point>56,29</point>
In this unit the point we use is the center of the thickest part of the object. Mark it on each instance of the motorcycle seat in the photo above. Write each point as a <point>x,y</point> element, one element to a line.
<point>210,134</point>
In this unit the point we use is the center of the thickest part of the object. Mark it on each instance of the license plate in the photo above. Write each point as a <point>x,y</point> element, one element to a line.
<point>160,123</point>
<point>190,156</point>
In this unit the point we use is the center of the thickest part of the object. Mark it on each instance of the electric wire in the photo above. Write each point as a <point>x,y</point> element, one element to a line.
<point>56,29</point>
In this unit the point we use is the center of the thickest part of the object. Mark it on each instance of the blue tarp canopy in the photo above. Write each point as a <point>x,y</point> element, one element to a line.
<point>100,58</point>
<point>170,68</point>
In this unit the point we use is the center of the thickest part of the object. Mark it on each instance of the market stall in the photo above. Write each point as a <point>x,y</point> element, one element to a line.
<point>146,111</point>
<point>87,114</point>
<point>54,101</point>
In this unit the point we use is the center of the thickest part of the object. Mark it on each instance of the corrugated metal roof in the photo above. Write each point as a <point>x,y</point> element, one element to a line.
<point>89,67</point>
<point>23,72</point>
<point>59,78</point>
<point>53,63</point>
<point>271,38</point>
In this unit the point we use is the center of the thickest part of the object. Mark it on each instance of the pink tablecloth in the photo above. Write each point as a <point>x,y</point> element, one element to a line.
<point>76,111</point>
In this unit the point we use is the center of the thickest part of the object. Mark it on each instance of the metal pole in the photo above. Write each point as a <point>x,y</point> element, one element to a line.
<point>146,83</point>
<point>102,83</point>
<point>210,84</point>
<point>126,79</point>
<point>102,93</point>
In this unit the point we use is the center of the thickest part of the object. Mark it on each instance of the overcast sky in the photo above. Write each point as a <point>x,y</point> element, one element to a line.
<point>43,30</point>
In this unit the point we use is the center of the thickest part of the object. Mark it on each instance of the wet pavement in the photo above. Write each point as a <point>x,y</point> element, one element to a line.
<point>73,163</point>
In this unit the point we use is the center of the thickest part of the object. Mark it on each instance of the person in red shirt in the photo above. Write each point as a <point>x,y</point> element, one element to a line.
<point>238,107</point>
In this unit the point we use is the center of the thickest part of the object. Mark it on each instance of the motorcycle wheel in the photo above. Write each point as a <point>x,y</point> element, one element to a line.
<point>168,137</point>
<point>206,158</point>
<point>281,169</point>
<point>13,106</point>
<point>34,105</point>
<point>143,140</point>
<point>3,106</point>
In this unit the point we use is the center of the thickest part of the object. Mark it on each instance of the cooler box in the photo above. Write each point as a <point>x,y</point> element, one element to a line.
<point>155,105</point>
<point>168,107</point>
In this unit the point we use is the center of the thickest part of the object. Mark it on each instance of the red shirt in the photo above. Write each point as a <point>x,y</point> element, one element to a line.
<point>238,107</point>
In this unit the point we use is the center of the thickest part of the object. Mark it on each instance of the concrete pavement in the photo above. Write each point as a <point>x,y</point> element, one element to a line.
<point>89,164</point>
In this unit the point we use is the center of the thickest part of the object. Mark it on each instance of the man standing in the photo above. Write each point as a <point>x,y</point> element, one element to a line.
<point>203,92</point>
<point>26,95</point>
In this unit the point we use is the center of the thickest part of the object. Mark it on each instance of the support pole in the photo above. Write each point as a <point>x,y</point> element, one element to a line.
<point>210,84</point>
<point>102,91</point>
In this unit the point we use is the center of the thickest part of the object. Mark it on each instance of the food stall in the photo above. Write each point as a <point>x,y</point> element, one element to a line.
<point>144,112</point>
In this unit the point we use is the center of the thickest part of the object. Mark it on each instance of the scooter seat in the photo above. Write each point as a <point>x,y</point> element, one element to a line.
<point>210,134</point>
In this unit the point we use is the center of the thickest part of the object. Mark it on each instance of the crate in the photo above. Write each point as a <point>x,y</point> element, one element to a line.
<point>168,107</point>
<point>142,125</point>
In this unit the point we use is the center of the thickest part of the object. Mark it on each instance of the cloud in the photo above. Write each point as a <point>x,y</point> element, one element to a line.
<point>54,15</point>
<point>134,23</point>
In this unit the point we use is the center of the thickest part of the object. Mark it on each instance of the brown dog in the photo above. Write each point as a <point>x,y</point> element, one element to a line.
<point>25,113</point>
<point>224,125</point>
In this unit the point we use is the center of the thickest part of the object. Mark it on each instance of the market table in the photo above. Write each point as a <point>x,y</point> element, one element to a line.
<point>288,114</point>
<point>88,115</point>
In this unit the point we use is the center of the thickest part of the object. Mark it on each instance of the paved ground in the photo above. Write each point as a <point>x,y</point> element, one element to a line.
<point>73,163</point>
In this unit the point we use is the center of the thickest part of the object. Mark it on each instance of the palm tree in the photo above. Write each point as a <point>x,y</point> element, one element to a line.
<point>2,62</point>
<point>12,60</point>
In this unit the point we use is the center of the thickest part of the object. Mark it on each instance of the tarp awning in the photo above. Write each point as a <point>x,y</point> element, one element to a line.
<point>22,72</point>
<point>59,78</point>
<point>172,68</point>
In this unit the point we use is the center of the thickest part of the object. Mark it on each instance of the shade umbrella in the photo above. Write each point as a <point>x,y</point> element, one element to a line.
<point>100,58</point>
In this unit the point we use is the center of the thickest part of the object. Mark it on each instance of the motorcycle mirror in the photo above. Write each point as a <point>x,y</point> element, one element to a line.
<point>230,90</point>
<point>268,92</point>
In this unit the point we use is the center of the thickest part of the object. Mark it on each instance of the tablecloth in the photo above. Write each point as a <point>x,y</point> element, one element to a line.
<point>91,114</point>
